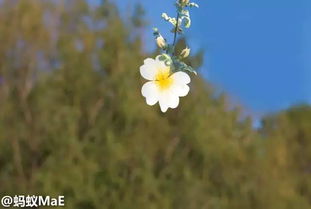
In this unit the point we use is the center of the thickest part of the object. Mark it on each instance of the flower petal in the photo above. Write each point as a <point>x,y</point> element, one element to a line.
<point>161,65</point>
<point>173,101</point>
<point>163,101</point>
<point>180,90</point>
<point>149,69</point>
<point>150,92</point>
<point>168,99</point>
<point>181,77</point>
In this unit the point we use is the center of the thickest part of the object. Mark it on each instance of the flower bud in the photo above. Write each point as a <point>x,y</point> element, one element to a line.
<point>185,53</point>
<point>184,2</point>
<point>161,42</point>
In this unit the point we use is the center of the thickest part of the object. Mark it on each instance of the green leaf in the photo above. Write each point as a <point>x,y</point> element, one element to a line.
<point>181,66</point>
<point>165,58</point>
<point>185,18</point>
<point>169,19</point>
<point>193,5</point>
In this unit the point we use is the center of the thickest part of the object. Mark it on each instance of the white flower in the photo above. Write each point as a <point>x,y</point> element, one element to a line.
<point>163,86</point>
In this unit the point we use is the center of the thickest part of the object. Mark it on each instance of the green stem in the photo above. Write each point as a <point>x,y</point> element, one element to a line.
<point>176,29</point>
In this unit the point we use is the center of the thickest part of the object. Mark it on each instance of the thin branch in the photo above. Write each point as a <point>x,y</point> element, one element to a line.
<point>176,29</point>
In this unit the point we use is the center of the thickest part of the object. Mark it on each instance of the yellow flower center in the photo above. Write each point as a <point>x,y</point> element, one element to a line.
<point>163,79</point>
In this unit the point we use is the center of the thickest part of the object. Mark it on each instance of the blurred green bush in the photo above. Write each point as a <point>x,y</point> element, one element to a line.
<point>73,123</point>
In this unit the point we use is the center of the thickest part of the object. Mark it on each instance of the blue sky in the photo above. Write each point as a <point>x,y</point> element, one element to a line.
<point>256,51</point>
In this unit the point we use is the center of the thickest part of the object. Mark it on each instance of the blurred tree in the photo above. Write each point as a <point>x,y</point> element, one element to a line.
<point>73,122</point>
<point>290,144</point>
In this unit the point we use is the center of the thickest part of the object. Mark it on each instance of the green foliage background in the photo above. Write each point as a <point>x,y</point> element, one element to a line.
<point>73,123</point>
